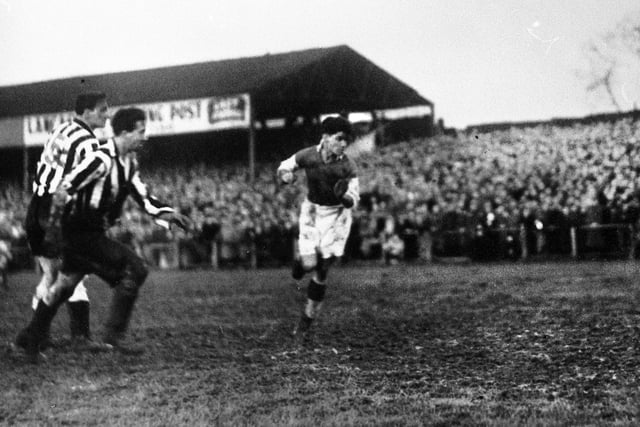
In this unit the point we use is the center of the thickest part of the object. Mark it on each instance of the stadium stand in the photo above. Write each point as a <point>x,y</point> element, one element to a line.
<point>543,190</point>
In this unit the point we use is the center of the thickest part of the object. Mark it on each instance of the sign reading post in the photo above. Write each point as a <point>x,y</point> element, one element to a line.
<point>163,118</point>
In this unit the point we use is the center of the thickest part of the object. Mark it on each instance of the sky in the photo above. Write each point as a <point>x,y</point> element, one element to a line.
<point>478,61</point>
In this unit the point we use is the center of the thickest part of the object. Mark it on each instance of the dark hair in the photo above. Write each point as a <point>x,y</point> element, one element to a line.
<point>88,101</point>
<point>125,119</point>
<point>335,124</point>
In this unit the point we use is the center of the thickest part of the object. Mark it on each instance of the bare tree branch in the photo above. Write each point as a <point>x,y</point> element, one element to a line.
<point>613,68</point>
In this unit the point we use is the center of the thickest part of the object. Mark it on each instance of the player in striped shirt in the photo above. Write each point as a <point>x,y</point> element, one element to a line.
<point>89,210</point>
<point>325,214</point>
<point>71,149</point>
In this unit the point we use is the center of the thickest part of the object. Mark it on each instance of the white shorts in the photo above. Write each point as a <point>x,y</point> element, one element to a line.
<point>323,229</point>
<point>79,294</point>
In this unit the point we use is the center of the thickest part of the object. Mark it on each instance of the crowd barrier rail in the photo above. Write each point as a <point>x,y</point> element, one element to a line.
<point>595,240</point>
<point>611,241</point>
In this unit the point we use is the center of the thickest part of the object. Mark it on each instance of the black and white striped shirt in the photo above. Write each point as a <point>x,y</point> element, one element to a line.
<point>72,152</point>
<point>98,205</point>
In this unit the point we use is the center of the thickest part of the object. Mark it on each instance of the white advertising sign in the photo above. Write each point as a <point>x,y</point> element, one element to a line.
<point>163,118</point>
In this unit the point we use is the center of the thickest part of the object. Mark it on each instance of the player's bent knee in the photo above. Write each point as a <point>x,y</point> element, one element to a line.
<point>137,271</point>
<point>62,289</point>
<point>141,274</point>
<point>308,262</point>
<point>135,274</point>
<point>128,287</point>
<point>49,268</point>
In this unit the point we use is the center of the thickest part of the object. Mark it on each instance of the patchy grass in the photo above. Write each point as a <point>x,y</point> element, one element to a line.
<point>500,344</point>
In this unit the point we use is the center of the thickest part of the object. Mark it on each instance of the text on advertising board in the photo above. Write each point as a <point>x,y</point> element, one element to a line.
<point>163,118</point>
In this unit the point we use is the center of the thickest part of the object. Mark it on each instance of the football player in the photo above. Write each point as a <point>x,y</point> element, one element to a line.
<point>75,135</point>
<point>325,214</point>
<point>82,219</point>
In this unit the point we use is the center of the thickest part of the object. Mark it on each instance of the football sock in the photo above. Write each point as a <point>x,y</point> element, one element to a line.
<point>316,291</point>
<point>297,271</point>
<point>79,318</point>
<point>122,304</point>
<point>315,296</point>
<point>41,321</point>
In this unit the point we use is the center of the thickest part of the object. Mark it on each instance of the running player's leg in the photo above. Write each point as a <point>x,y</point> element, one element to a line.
<point>49,268</point>
<point>36,222</point>
<point>333,229</point>
<point>77,305</point>
<point>316,290</point>
<point>118,265</point>
<point>308,240</point>
<point>32,337</point>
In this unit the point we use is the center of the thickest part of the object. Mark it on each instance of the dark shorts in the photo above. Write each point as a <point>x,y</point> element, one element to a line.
<point>92,252</point>
<point>36,222</point>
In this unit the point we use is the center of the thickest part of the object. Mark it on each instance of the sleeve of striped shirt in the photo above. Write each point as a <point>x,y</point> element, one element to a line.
<point>95,163</point>
<point>150,204</point>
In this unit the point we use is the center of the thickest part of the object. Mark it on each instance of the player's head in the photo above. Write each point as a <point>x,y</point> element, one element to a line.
<point>93,108</point>
<point>336,134</point>
<point>129,126</point>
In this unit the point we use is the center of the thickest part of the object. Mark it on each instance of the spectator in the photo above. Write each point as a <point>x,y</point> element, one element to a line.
<point>540,173</point>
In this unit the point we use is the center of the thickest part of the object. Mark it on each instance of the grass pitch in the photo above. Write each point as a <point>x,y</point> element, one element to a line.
<point>500,344</point>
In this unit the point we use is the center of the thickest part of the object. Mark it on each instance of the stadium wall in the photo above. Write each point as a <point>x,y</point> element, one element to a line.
<point>11,132</point>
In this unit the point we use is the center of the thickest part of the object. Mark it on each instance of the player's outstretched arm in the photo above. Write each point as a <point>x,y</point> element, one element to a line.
<point>178,219</point>
<point>164,214</point>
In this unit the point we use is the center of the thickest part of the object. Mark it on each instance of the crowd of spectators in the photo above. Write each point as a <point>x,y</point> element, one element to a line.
<point>12,215</point>
<point>543,177</point>
<point>413,193</point>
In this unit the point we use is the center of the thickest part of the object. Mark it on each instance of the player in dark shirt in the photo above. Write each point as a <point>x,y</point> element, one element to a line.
<point>325,214</point>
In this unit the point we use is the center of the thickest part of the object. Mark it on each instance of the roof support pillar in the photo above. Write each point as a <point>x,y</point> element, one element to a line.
<point>25,168</point>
